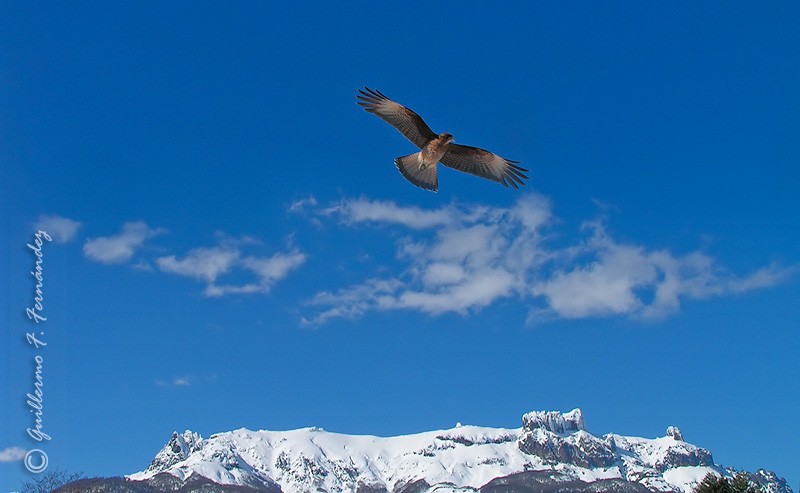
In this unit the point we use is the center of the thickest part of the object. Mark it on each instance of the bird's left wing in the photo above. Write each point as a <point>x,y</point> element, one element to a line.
<point>403,119</point>
<point>483,163</point>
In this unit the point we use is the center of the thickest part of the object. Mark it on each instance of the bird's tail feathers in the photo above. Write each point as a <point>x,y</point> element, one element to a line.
<point>424,178</point>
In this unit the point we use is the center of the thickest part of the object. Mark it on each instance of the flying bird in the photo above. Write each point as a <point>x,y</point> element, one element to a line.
<point>420,168</point>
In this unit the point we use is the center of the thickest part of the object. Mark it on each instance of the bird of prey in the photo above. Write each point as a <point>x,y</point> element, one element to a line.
<point>420,168</point>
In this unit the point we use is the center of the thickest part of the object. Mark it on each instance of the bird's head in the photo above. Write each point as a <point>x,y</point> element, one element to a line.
<point>446,137</point>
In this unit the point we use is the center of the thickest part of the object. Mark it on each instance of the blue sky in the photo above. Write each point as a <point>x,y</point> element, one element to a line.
<point>232,245</point>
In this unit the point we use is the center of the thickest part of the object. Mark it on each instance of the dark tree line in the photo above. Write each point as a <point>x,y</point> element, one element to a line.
<point>712,483</point>
<point>47,482</point>
<point>741,483</point>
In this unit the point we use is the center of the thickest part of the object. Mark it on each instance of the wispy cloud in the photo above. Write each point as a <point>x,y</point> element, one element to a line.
<point>12,454</point>
<point>185,380</point>
<point>61,229</point>
<point>201,263</point>
<point>364,210</point>
<point>765,277</point>
<point>208,263</point>
<point>181,381</point>
<point>121,247</point>
<point>303,204</point>
<point>354,301</point>
<point>461,259</point>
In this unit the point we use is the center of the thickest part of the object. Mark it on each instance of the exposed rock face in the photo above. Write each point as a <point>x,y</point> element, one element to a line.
<point>675,433</point>
<point>176,450</point>
<point>561,438</point>
<point>418,486</point>
<point>554,421</point>
<point>682,457</point>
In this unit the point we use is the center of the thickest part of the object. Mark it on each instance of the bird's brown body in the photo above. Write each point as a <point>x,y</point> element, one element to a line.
<point>435,150</point>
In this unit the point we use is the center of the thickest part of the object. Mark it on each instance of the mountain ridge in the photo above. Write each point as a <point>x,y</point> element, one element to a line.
<point>552,451</point>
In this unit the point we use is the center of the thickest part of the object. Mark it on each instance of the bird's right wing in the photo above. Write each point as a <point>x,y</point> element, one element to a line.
<point>403,119</point>
<point>485,164</point>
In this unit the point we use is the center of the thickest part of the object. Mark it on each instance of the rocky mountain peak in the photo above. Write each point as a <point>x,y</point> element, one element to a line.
<point>178,448</point>
<point>554,421</point>
<point>675,433</point>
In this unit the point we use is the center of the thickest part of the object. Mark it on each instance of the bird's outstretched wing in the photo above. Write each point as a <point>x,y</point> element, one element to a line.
<point>403,119</point>
<point>483,163</point>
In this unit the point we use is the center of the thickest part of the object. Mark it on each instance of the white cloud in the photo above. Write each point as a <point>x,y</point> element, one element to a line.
<point>443,273</point>
<point>461,259</point>
<point>201,263</point>
<point>216,291</point>
<point>465,257</point>
<point>12,454</point>
<point>182,381</point>
<point>276,267</point>
<point>208,263</point>
<point>179,381</point>
<point>61,229</point>
<point>476,290</point>
<point>364,210</point>
<point>765,277</point>
<point>620,279</point>
<point>606,285</point>
<point>119,248</point>
<point>303,204</point>
<point>354,301</point>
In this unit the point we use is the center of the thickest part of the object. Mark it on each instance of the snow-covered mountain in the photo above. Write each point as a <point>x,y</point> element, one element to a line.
<point>552,451</point>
